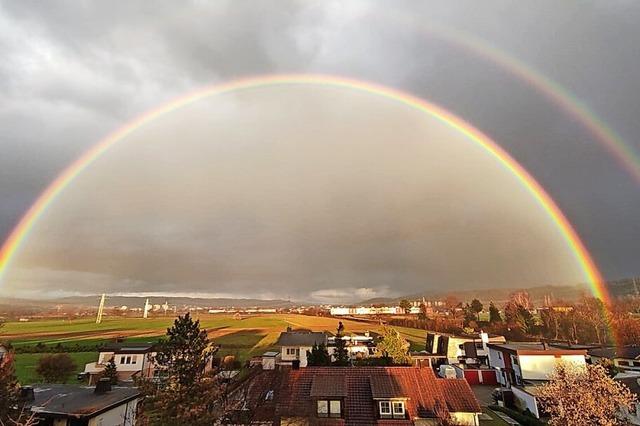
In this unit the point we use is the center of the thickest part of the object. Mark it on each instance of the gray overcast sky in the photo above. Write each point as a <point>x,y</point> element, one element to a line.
<point>71,72</point>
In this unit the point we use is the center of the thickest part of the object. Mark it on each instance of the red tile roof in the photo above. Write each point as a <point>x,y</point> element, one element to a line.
<point>458,396</point>
<point>426,396</point>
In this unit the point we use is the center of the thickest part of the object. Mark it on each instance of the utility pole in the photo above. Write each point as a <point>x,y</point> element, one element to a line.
<point>146,309</point>
<point>100,310</point>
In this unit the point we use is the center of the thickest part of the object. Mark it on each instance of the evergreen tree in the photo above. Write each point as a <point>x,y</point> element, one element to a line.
<point>185,353</point>
<point>111,371</point>
<point>341,355</point>
<point>319,356</point>
<point>405,305</point>
<point>494,314</point>
<point>186,395</point>
<point>476,307</point>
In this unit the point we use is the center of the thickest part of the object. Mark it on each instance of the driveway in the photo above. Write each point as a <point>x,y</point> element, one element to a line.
<point>483,393</point>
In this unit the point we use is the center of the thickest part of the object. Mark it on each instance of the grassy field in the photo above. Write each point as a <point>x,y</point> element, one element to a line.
<point>26,365</point>
<point>245,337</point>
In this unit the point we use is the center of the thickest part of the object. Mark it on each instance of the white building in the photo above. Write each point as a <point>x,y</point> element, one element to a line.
<point>295,344</point>
<point>68,405</point>
<point>524,366</point>
<point>131,359</point>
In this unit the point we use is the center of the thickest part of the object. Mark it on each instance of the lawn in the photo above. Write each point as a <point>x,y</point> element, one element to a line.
<point>26,366</point>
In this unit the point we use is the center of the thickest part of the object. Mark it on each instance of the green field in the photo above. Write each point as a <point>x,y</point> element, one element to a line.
<point>245,337</point>
<point>26,365</point>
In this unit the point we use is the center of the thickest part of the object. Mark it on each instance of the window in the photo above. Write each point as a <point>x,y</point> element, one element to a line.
<point>398,408</point>
<point>121,360</point>
<point>391,409</point>
<point>331,408</point>
<point>334,408</point>
<point>625,363</point>
<point>323,408</point>
<point>134,359</point>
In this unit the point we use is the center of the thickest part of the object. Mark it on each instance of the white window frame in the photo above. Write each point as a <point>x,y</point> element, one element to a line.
<point>392,409</point>
<point>397,404</point>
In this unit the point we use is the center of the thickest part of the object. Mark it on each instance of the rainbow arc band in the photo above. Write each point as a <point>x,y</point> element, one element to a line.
<point>21,232</point>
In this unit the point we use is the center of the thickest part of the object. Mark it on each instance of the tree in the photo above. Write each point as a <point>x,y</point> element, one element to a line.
<point>584,395</point>
<point>8,388</point>
<point>319,356</point>
<point>341,355</point>
<point>111,371</point>
<point>405,305</point>
<point>476,306</point>
<point>186,351</point>
<point>494,314</point>
<point>392,345</point>
<point>187,394</point>
<point>55,368</point>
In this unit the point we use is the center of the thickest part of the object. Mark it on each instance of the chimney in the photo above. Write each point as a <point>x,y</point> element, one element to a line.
<point>27,394</point>
<point>103,385</point>
<point>289,328</point>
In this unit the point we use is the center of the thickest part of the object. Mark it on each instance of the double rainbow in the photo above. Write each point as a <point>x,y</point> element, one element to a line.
<point>21,232</point>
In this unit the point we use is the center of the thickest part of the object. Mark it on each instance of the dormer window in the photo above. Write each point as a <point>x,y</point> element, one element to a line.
<point>329,408</point>
<point>391,409</point>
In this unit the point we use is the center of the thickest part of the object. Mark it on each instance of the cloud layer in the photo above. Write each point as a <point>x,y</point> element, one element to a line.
<point>72,72</point>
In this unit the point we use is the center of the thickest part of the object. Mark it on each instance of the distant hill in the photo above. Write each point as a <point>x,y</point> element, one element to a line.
<point>618,288</point>
<point>138,301</point>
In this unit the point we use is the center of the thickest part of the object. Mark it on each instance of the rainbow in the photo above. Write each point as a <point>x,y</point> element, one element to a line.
<point>623,152</point>
<point>21,232</point>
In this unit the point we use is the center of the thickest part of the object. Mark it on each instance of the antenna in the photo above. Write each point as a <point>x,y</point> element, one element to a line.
<point>100,310</point>
<point>146,309</point>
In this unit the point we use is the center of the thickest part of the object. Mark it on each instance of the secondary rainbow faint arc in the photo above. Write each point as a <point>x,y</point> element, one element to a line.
<point>582,256</point>
<point>625,154</point>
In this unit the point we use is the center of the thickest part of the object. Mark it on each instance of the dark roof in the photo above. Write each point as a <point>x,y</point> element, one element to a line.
<point>328,386</point>
<point>129,348</point>
<point>534,348</point>
<point>386,386</point>
<point>78,401</point>
<point>425,394</point>
<point>302,338</point>
<point>626,352</point>
<point>632,382</point>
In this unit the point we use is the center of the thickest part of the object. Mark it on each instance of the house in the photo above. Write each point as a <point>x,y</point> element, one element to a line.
<point>131,359</point>
<point>523,367</point>
<point>518,362</point>
<point>453,348</point>
<point>372,396</point>
<point>295,344</point>
<point>353,396</point>
<point>358,346</point>
<point>3,351</point>
<point>69,405</point>
<point>626,358</point>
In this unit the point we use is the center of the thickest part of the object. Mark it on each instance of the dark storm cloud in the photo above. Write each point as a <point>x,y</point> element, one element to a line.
<point>73,71</point>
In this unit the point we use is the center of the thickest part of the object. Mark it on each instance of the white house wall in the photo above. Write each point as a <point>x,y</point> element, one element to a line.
<point>123,415</point>
<point>524,400</point>
<point>538,367</point>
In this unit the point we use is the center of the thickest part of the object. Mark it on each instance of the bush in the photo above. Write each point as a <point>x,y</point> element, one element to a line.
<point>55,368</point>
<point>525,419</point>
